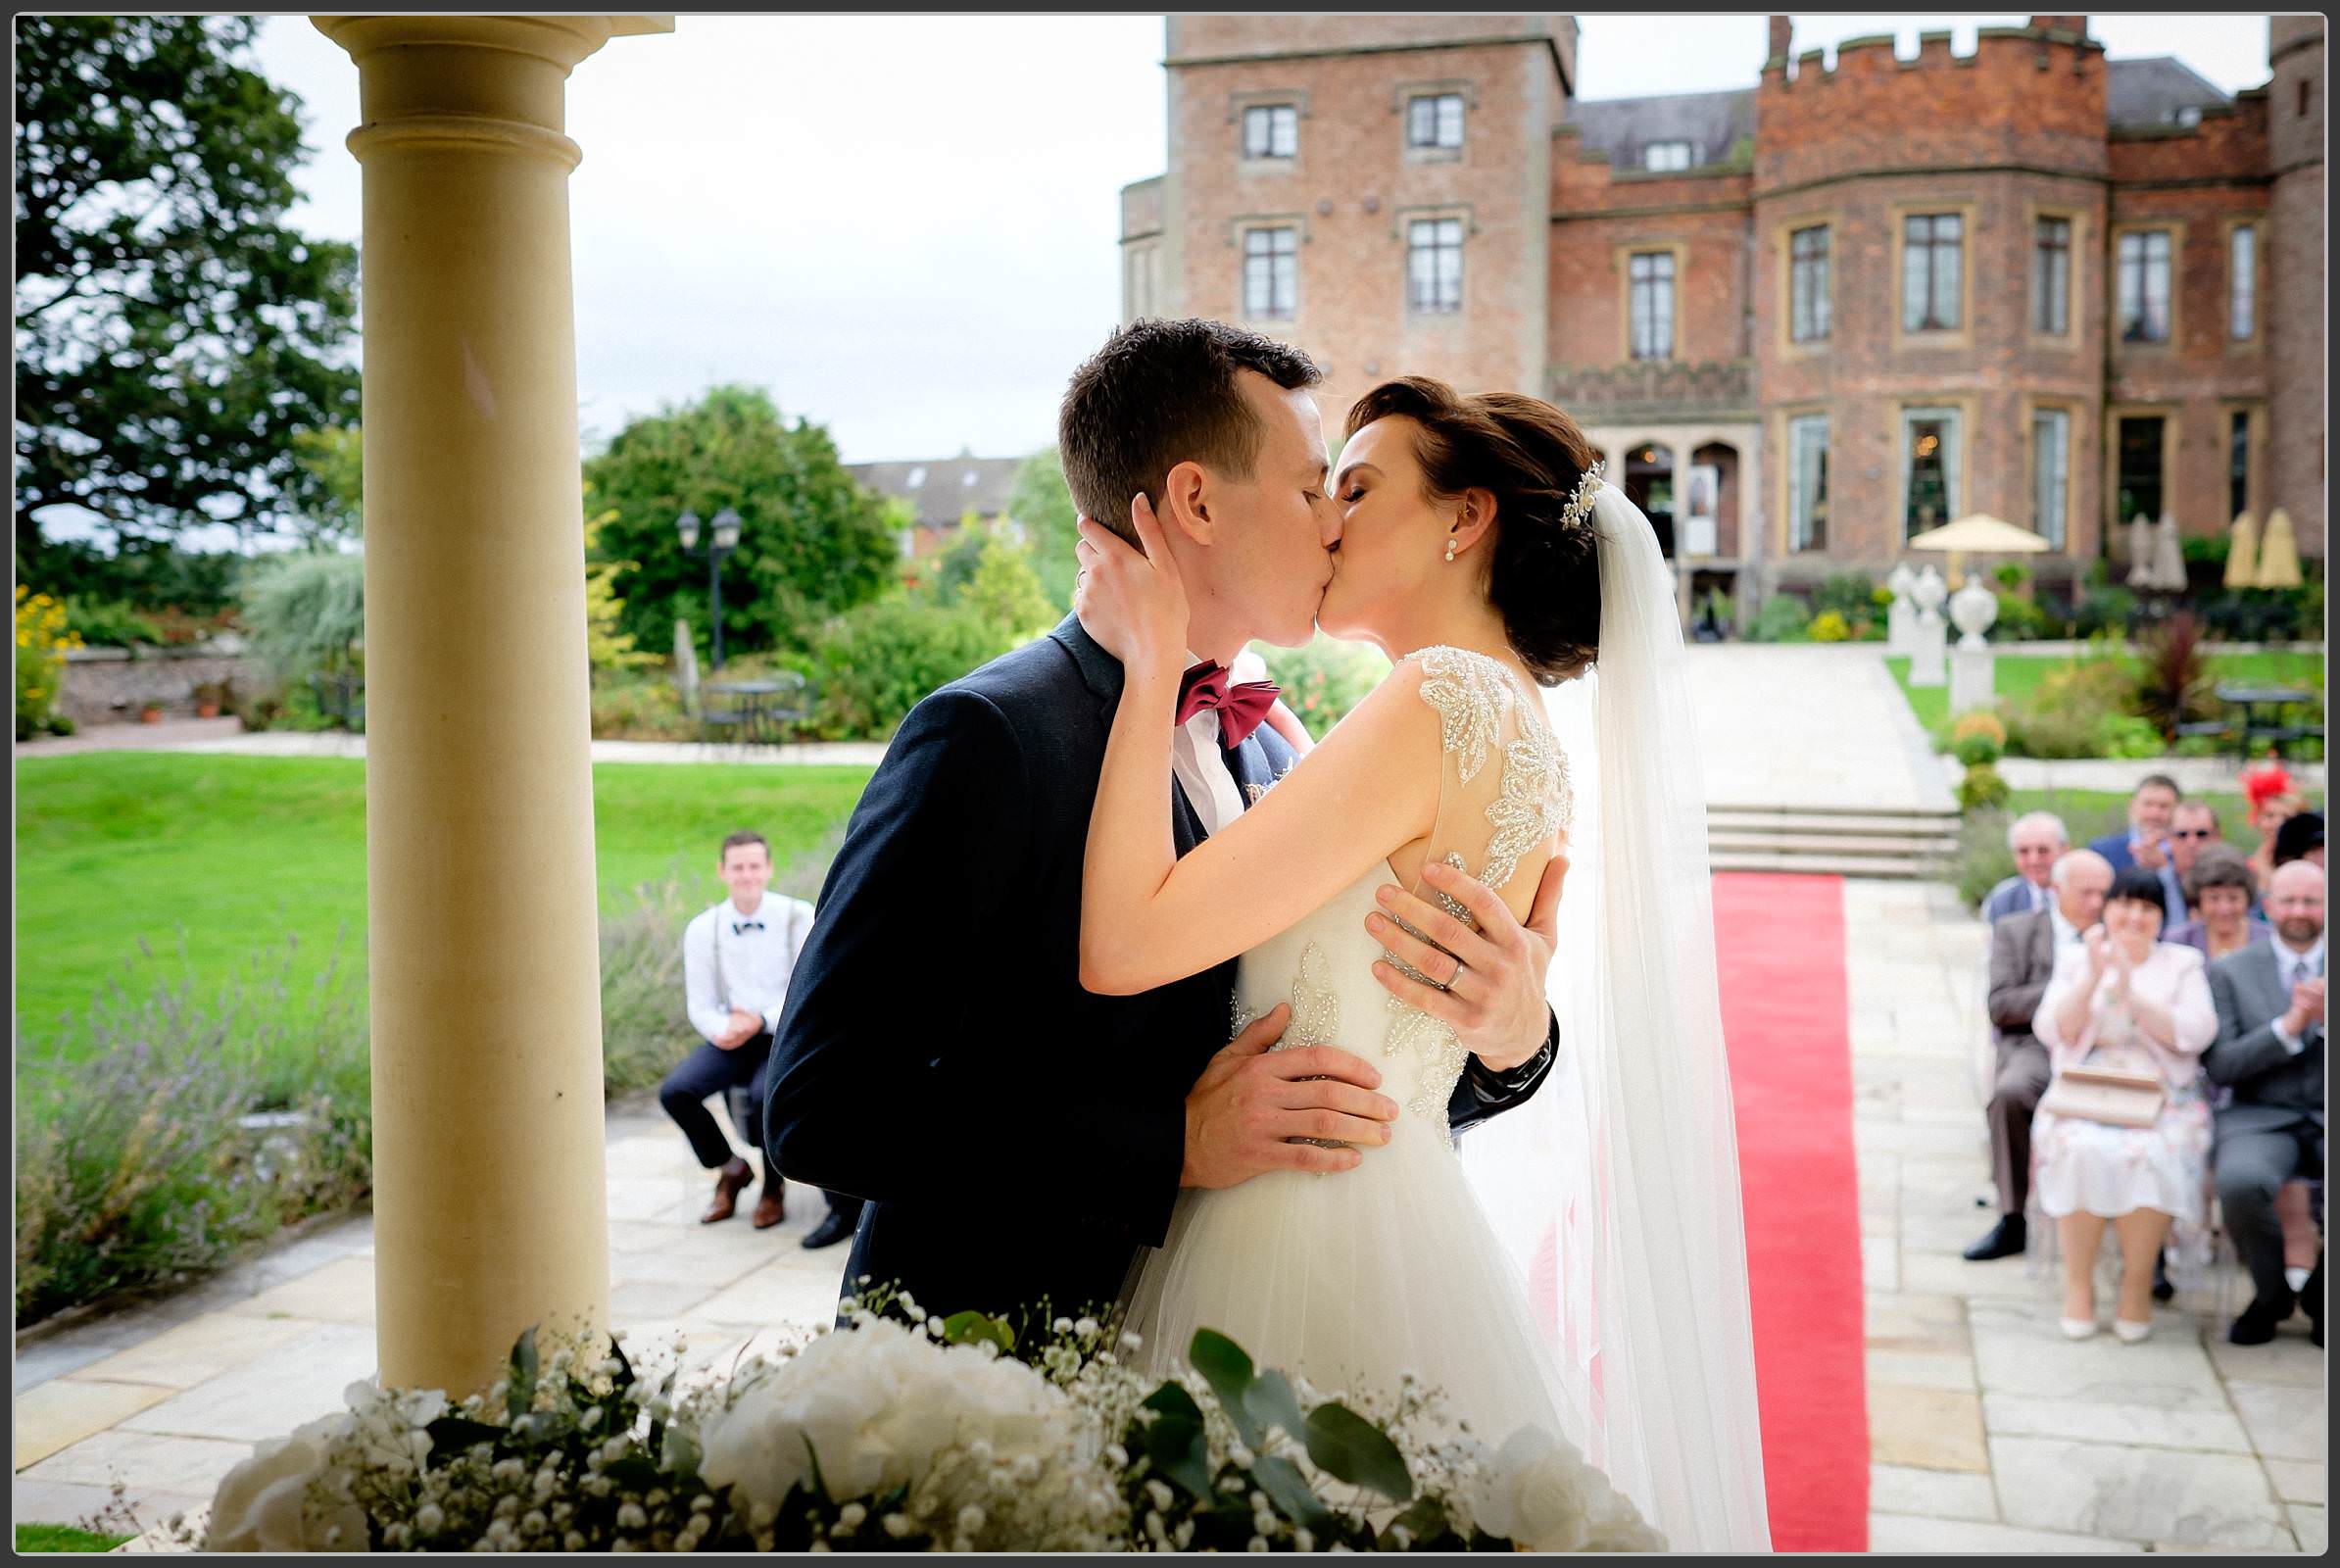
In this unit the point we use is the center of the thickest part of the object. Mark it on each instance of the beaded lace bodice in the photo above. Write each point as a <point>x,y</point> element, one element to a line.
<point>1503,793</point>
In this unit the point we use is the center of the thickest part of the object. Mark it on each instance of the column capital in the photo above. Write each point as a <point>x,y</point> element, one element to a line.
<point>564,40</point>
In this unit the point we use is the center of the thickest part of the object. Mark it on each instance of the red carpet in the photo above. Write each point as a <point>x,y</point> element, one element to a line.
<point>1779,942</point>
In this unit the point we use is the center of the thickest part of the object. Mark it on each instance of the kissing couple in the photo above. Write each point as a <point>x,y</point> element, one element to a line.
<point>1115,999</point>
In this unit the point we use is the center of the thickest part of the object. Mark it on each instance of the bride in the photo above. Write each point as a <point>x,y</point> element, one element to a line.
<point>1480,550</point>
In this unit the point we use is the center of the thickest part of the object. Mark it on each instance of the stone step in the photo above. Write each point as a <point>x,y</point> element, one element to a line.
<point>1918,824</point>
<point>1899,867</point>
<point>1942,815</point>
<point>1918,846</point>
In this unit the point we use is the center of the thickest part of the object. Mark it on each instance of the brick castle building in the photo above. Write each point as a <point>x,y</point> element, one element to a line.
<point>1805,319</point>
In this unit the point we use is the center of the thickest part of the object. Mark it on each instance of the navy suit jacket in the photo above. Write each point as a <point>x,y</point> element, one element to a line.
<point>1014,1136</point>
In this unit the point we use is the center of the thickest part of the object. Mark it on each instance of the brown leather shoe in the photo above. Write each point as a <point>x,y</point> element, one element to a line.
<point>730,1182</point>
<point>771,1209</point>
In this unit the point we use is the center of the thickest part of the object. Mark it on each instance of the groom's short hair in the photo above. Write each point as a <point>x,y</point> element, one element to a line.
<point>1158,394</point>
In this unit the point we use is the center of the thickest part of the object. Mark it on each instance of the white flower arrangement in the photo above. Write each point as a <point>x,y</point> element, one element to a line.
<point>889,1434</point>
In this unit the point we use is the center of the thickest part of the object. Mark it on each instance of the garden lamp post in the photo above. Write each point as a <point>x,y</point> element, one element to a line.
<point>722,538</point>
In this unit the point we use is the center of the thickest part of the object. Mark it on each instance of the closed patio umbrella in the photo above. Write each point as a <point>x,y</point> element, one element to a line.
<point>2140,551</point>
<point>2242,554</point>
<point>2279,553</point>
<point>2168,555</point>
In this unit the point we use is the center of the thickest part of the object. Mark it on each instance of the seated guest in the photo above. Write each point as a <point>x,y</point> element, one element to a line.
<point>2146,840</point>
<point>2273,800</point>
<point>2269,1000</point>
<point>2300,838</point>
<point>2036,838</point>
<point>2022,959</point>
<point>2221,887</point>
<point>2121,997</point>
<point>2193,828</point>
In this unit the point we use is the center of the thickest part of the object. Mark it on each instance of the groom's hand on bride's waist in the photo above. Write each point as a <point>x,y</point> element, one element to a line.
<point>1487,984</point>
<point>1252,1102</point>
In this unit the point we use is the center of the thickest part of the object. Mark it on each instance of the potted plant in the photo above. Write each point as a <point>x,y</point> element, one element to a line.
<point>210,697</point>
<point>150,712</point>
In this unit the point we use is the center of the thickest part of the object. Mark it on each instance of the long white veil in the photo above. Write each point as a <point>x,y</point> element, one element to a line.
<point>1617,1186</point>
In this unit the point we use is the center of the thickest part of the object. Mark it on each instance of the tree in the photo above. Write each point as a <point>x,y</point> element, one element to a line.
<point>172,333</point>
<point>812,542</point>
<point>330,489</point>
<point>1040,501</point>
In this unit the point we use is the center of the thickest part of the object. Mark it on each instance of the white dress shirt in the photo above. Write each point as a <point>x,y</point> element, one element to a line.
<point>1200,768</point>
<point>732,959</point>
<point>2291,967</point>
<point>2066,932</point>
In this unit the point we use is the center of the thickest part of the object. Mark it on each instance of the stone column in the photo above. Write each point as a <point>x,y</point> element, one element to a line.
<point>489,1195</point>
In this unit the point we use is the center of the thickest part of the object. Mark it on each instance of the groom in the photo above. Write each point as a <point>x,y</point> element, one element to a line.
<point>1017,1137</point>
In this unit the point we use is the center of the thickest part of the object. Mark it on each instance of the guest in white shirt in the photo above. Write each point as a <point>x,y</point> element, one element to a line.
<point>2037,839</point>
<point>2269,1000</point>
<point>737,959</point>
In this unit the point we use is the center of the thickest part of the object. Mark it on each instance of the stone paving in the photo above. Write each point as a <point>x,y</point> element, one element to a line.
<point>1809,724</point>
<point>169,1396</point>
<point>1988,1429</point>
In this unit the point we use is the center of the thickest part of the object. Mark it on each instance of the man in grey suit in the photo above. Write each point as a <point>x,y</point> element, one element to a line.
<point>2037,839</point>
<point>2022,959</point>
<point>2269,1049</point>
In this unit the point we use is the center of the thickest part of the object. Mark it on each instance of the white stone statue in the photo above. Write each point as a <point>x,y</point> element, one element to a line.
<point>1901,617</point>
<point>1973,609</point>
<point>1928,636</point>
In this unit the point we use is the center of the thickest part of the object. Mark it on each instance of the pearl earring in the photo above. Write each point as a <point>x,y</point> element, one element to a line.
<point>1450,550</point>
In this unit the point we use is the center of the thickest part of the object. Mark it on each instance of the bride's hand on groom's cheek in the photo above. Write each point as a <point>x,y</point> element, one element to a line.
<point>1131,598</point>
<point>1489,982</point>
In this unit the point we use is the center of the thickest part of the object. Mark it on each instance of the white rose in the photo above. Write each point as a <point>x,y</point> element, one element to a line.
<point>262,1503</point>
<point>1540,1492</point>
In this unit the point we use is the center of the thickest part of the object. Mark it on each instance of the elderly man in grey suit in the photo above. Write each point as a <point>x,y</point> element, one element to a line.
<point>2037,839</point>
<point>2269,1050</point>
<point>2022,958</point>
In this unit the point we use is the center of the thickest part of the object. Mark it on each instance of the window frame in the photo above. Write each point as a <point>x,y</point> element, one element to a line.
<point>2145,233</point>
<point>1406,221</point>
<point>1270,110</point>
<point>1958,473</point>
<point>2050,275</point>
<point>1789,521</point>
<point>1247,229</point>
<point>2256,477</point>
<point>2171,415</point>
<point>1968,212</point>
<point>1785,343</point>
<point>2034,409</point>
<point>1438,98</point>
<point>1689,156</point>
<point>2256,226</point>
<point>1622,257</point>
<point>2075,284</point>
<point>1820,299</point>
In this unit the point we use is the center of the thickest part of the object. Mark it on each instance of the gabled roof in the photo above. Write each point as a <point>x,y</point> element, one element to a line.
<point>1710,121</point>
<point>2152,91</point>
<point>944,489</point>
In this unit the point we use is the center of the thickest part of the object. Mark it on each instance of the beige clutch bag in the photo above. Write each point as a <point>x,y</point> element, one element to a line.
<point>2111,1095</point>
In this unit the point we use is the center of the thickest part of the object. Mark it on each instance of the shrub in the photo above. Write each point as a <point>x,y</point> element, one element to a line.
<point>1782,618</point>
<point>2173,684</point>
<point>874,663</point>
<point>42,639</point>
<point>2105,608</point>
<point>1979,737</point>
<point>1981,787</point>
<point>304,612</point>
<point>2125,735</point>
<point>109,623</point>
<point>645,1033</point>
<point>141,1165</point>
<point>2062,715</point>
<point>2011,575</point>
<point>1983,858</point>
<point>1325,678</point>
<point>1850,594</point>
<point>640,706</point>
<point>2019,619</point>
<point>1829,626</point>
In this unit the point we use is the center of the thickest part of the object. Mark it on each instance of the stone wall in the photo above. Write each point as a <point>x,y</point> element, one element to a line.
<point>107,686</point>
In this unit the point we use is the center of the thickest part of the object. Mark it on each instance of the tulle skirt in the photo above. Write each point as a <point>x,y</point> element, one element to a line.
<point>1351,1279</point>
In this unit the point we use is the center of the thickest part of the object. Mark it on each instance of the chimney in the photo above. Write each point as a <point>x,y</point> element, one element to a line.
<point>2071,24</point>
<point>1781,40</point>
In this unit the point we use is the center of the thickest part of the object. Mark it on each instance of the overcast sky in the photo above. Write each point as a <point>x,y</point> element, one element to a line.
<point>905,226</point>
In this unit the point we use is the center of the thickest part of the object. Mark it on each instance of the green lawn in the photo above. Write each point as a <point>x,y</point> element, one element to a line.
<point>63,1538</point>
<point>2015,675</point>
<point>209,861</point>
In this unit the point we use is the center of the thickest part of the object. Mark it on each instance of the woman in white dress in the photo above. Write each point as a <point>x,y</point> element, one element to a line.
<point>2123,998</point>
<point>1479,550</point>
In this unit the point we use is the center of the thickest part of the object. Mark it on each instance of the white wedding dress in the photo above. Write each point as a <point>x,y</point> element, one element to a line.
<point>1351,1279</point>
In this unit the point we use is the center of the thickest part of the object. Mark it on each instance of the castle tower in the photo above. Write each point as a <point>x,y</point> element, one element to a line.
<point>2296,215</point>
<point>1374,189</point>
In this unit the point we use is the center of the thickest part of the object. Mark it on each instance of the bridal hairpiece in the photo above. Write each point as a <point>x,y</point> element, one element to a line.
<point>1580,504</point>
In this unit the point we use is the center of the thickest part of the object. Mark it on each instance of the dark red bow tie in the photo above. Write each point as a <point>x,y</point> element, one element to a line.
<point>1241,707</point>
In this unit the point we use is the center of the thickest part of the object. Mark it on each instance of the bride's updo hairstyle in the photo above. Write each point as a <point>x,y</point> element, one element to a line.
<point>1544,579</point>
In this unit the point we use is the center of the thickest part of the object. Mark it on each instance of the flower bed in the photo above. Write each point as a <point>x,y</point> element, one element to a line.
<point>890,1434</point>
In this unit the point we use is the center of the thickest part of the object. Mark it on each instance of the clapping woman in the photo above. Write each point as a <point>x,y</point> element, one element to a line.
<point>2121,997</point>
